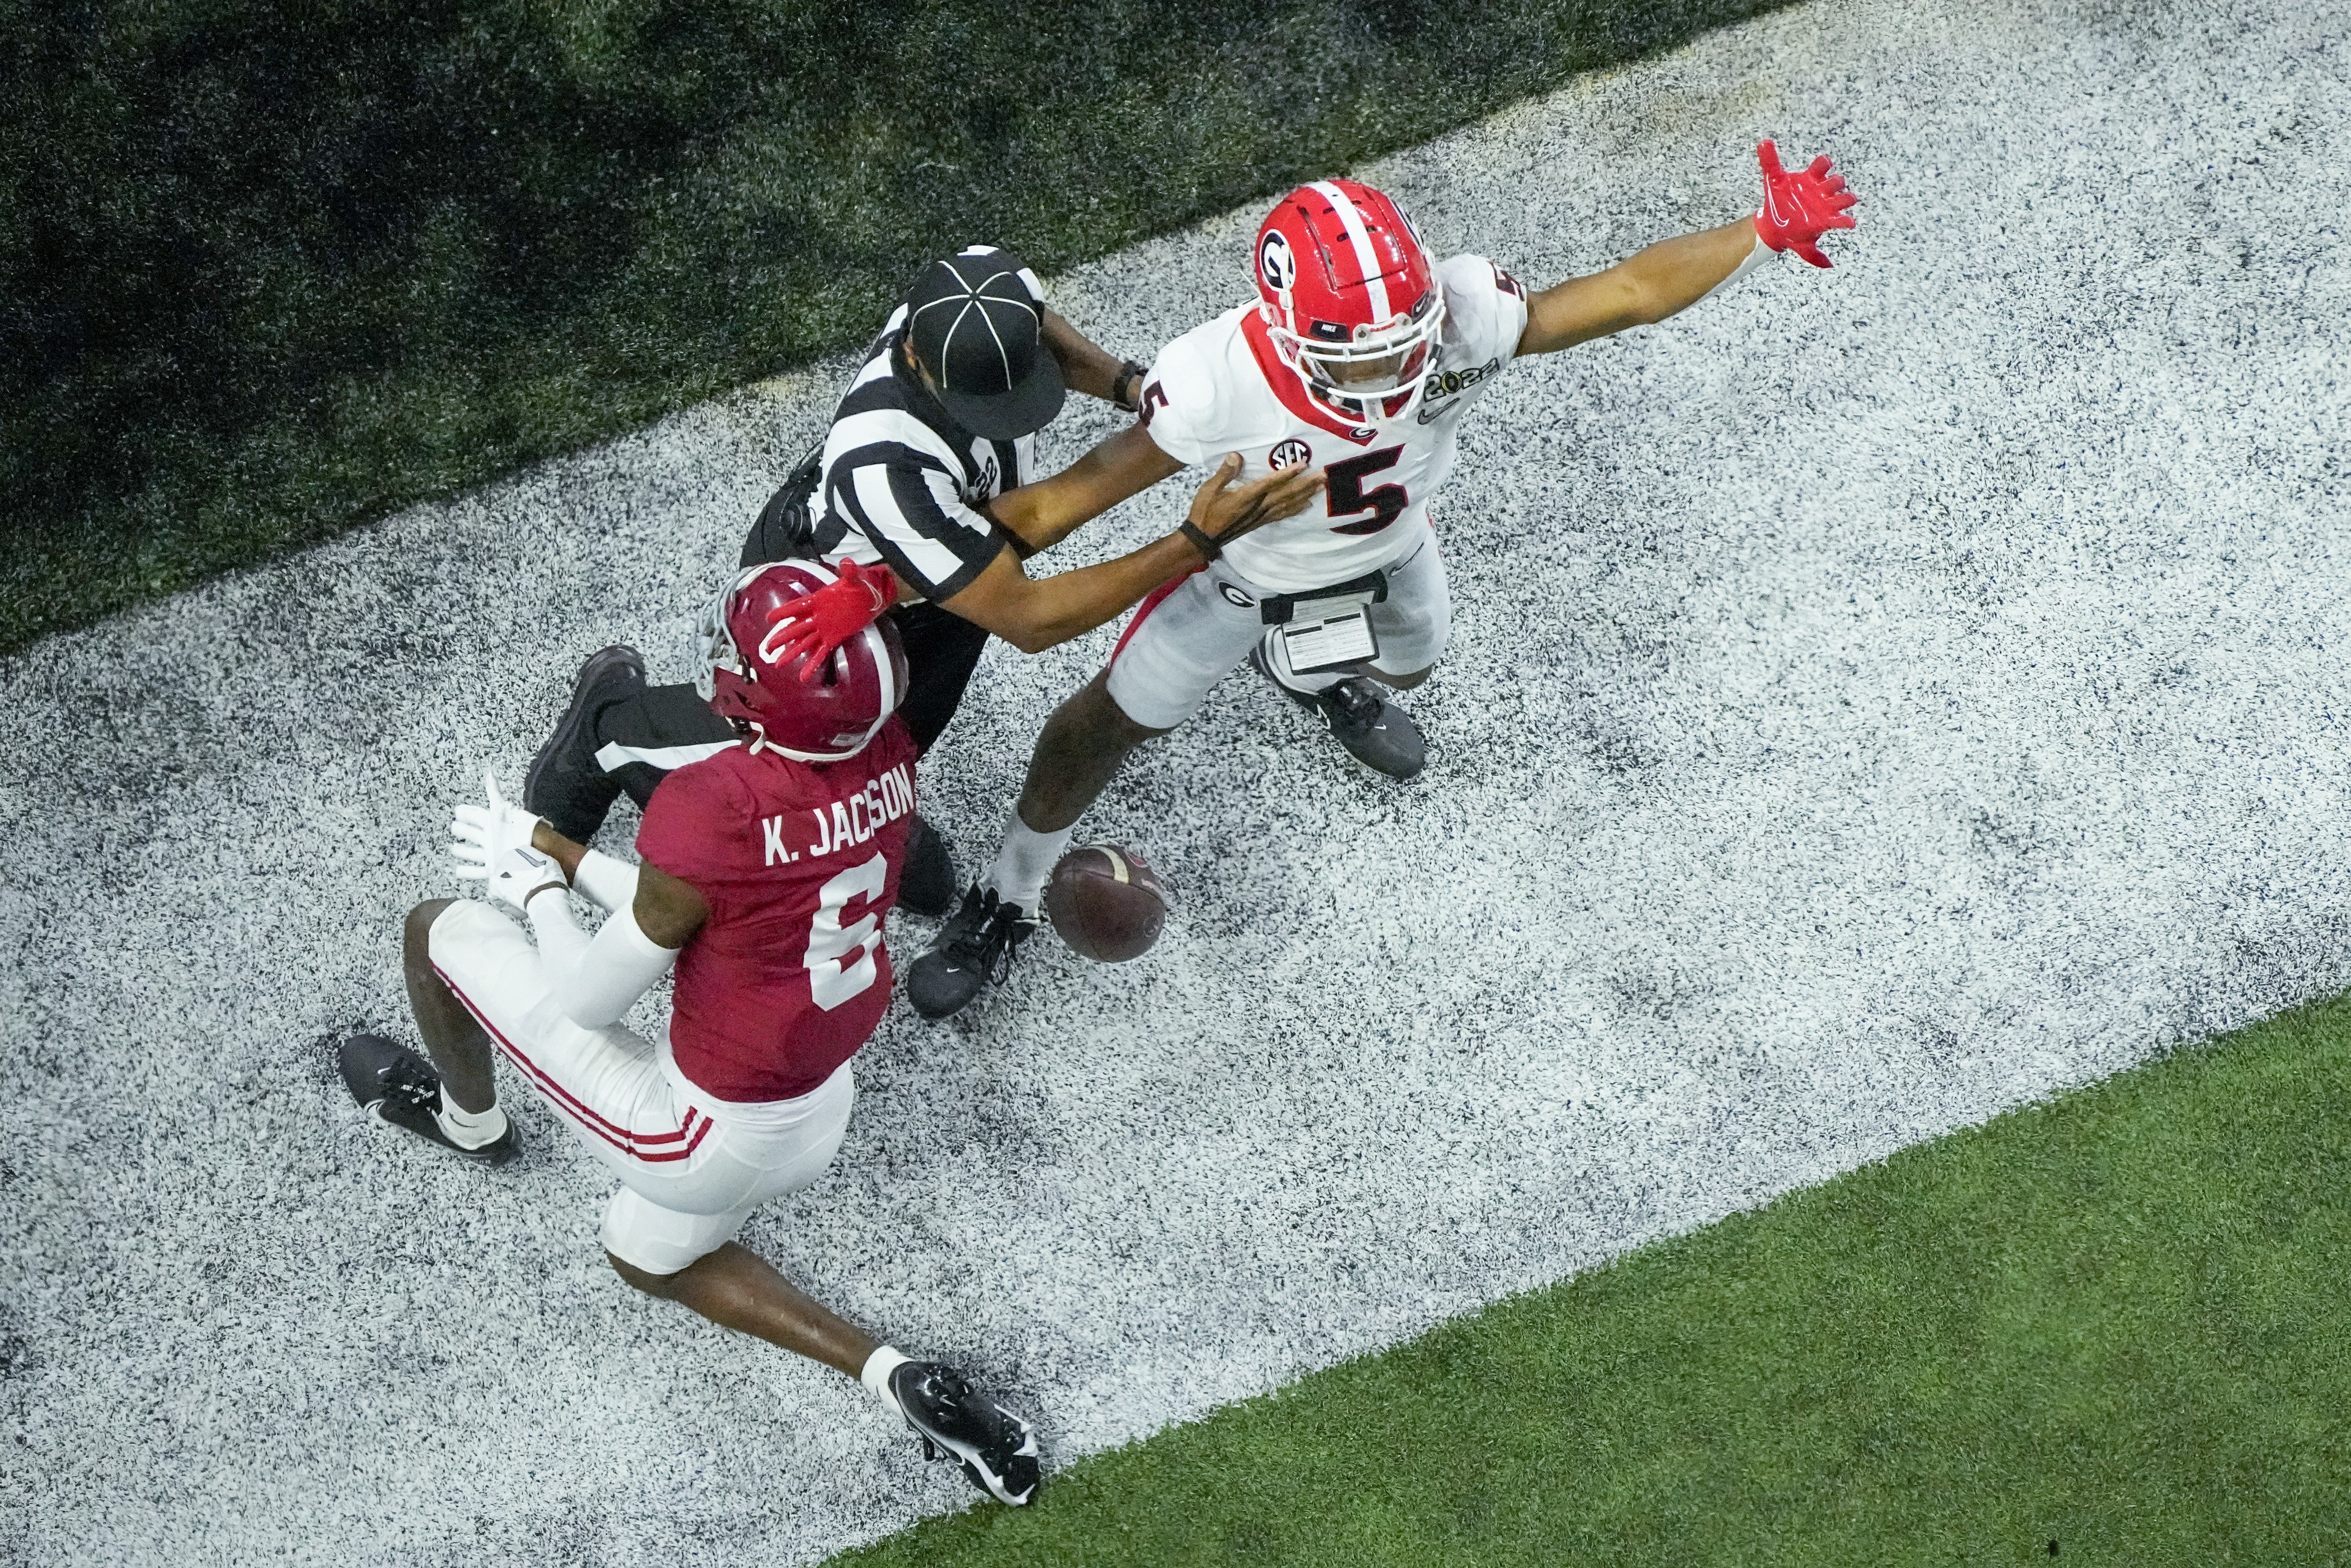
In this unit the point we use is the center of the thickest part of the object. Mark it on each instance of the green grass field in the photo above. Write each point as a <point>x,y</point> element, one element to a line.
<point>2113,1326</point>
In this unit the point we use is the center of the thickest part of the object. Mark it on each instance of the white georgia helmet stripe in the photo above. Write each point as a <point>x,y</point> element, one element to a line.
<point>1364,255</point>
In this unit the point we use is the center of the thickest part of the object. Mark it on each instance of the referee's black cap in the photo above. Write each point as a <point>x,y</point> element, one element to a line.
<point>974,321</point>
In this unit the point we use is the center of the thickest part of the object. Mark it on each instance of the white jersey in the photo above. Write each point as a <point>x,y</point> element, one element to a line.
<point>1221,388</point>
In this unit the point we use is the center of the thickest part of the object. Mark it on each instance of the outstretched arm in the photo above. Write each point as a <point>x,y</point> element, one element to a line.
<point>1086,366</point>
<point>668,910</point>
<point>1643,289</point>
<point>1799,207</point>
<point>520,858</point>
<point>1043,514</point>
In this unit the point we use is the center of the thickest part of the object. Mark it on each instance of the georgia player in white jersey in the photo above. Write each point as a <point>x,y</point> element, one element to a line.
<point>1252,382</point>
<point>1360,355</point>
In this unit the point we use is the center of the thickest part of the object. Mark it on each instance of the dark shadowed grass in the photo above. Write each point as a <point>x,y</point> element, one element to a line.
<point>267,272</point>
<point>2115,1324</point>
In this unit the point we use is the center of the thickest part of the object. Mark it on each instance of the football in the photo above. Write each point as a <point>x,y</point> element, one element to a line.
<point>1106,902</point>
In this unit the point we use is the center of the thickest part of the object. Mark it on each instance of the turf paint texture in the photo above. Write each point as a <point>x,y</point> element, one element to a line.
<point>1879,698</point>
<point>2115,1324</point>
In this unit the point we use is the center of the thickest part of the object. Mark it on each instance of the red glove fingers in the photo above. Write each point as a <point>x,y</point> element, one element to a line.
<point>1800,208</point>
<point>808,630</point>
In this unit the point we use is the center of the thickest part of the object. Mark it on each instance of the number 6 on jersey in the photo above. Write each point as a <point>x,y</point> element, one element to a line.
<point>830,982</point>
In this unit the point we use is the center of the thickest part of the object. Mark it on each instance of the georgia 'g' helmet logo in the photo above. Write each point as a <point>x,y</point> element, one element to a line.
<point>1275,263</point>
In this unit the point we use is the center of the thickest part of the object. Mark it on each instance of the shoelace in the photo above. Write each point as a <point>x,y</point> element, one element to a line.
<point>417,1093</point>
<point>1359,705</point>
<point>972,947</point>
<point>1005,933</point>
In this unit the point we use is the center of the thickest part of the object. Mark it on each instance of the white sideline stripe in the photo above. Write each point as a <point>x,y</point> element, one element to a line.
<point>613,755</point>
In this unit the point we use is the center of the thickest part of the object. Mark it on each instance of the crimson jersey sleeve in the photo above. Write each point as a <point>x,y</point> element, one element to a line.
<point>697,826</point>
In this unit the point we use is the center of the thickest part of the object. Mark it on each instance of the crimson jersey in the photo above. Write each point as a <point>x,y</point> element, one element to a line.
<point>1221,388</point>
<point>799,863</point>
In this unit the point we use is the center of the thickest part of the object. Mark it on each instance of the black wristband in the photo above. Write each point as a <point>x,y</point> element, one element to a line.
<point>1118,396</point>
<point>1209,549</point>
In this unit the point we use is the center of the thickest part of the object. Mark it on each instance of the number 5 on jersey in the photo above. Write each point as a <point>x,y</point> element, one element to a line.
<point>831,981</point>
<point>1348,497</point>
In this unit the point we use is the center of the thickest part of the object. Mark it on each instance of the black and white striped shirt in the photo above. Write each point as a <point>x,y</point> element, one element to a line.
<point>900,479</point>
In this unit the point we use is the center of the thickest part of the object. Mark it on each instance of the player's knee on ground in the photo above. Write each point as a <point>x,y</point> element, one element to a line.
<point>416,931</point>
<point>661,1285</point>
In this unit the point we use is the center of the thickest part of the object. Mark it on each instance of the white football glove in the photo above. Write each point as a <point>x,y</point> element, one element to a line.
<point>485,836</point>
<point>520,873</point>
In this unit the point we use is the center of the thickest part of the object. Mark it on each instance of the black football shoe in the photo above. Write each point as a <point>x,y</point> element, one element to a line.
<point>1375,732</point>
<point>566,784</point>
<point>394,1084</point>
<point>927,886</point>
<point>996,1448</point>
<point>973,949</point>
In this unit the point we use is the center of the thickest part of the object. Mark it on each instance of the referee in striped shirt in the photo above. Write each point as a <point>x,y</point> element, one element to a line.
<point>939,422</point>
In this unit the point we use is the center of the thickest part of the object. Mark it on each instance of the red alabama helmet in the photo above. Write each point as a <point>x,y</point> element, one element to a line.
<point>748,677</point>
<point>1349,295</point>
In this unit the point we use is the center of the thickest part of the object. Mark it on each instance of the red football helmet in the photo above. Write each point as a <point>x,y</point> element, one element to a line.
<point>744,676</point>
<point>1350,297</point>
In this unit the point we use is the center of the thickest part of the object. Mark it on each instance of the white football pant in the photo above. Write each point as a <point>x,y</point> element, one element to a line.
<point>1186,636</point>
<point>692,1168</point>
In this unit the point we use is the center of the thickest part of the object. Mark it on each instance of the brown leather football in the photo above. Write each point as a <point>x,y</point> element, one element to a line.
<point>1106,902</point>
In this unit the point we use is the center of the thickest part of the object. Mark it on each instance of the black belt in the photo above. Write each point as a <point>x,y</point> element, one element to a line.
<point>1281,609</point>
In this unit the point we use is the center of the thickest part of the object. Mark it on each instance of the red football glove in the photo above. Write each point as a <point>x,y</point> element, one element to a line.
<point>811,626</point>
<point>1801,208</point>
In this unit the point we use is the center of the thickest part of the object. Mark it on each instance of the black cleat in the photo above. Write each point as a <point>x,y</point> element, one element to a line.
<point>1375,732</point>
<point>393,1083</point>
<point>973,949</point>
<point>996,1449</point>
<point>566,784</point>
<point>927,886</point>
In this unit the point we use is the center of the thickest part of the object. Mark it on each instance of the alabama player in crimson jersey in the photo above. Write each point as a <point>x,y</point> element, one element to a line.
<point>767,870</point>
<point>1361,355</point>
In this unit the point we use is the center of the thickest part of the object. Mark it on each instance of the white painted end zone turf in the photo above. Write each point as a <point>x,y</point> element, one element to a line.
<point>1880,698</point>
